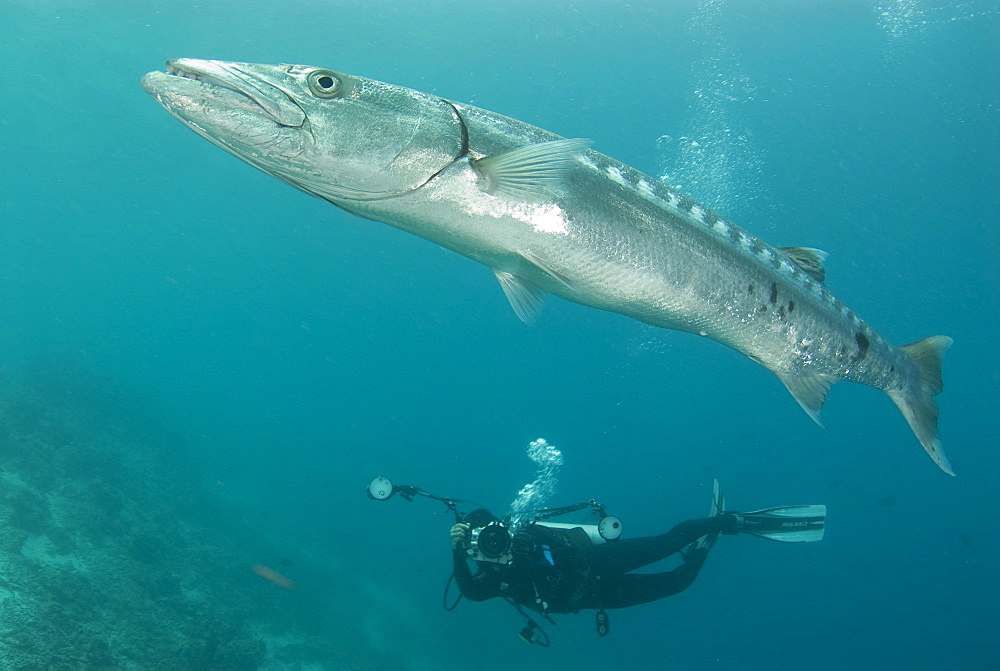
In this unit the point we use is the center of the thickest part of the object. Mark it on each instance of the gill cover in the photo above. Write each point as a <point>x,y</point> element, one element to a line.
<point>368,140</point>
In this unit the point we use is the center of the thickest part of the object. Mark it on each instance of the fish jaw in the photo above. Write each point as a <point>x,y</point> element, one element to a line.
<point>191,84</point>
<point>247,117</point>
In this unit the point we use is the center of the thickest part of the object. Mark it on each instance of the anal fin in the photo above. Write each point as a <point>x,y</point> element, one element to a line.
<point>525,297</point>
<point>810,391</point>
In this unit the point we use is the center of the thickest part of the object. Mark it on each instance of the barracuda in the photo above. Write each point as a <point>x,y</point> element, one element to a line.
<point>550,216</point>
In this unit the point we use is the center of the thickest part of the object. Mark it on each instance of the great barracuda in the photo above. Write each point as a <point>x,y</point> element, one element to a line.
<point>550,216</point>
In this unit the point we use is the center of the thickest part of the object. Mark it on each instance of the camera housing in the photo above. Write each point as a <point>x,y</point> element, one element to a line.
<point>490,543</point>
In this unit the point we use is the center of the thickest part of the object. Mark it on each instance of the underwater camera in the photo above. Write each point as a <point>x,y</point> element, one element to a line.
<point>490,543</point>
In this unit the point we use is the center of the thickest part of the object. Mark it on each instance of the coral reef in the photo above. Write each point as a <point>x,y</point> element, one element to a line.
<point>114,556</point>
<point>98,569</point>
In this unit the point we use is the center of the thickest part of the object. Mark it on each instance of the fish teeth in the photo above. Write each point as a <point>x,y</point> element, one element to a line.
<point>177,72</point>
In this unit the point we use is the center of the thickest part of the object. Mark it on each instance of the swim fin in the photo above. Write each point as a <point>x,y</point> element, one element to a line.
<point>788,524</point>
<point>718,500</point>
<point>717,508</point>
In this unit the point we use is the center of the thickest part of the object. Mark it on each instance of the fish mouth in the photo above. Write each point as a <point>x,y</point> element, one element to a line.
<point>215,78</point>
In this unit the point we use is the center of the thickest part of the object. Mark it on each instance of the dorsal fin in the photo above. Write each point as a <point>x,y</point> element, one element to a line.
<point>530,170</point>
<point>808,259</point>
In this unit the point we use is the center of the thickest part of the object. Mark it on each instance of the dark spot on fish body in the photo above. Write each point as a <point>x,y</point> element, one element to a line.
<point>774,293</point>
<point>685,204</point>
<point>710,217</point>
<point>750,290</point>
<point>863,344</point>
<point>781,313</point>
<point>791,306</point>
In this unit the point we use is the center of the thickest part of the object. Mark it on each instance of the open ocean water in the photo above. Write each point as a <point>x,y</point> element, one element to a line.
<point>201,368</point>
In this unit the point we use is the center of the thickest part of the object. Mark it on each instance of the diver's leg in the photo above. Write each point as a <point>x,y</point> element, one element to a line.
<point>631,553</point>
<point>621,591</point>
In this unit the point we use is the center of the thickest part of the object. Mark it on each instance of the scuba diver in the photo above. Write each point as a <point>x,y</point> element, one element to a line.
<point>550,567</point>
<point>553,569</point>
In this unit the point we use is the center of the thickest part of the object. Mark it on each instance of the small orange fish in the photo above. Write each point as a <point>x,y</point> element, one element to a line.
<point>273,576</point>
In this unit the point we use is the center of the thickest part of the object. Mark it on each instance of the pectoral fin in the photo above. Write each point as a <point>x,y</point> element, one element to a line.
<point>532,170</point>
<point>546,268</point>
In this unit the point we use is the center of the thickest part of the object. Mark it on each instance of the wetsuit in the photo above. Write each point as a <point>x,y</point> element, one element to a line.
<point>561,570</point>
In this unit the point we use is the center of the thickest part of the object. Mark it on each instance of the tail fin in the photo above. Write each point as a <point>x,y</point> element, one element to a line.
<point>916,401</point>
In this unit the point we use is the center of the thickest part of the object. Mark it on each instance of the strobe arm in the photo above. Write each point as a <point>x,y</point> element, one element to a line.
<point>382,489</point>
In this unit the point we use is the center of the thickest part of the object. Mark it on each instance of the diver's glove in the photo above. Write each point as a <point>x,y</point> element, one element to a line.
<point>460,534</point>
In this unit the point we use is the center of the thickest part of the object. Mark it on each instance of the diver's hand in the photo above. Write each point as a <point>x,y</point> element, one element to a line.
<point>460,534</point>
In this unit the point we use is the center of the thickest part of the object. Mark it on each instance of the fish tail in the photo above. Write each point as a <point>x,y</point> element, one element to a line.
<point>916,401</point>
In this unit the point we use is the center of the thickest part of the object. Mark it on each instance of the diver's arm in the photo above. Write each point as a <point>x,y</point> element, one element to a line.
<point>477,587</point>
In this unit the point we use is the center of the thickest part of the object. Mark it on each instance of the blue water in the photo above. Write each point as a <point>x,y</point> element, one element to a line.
<point>284,353</point>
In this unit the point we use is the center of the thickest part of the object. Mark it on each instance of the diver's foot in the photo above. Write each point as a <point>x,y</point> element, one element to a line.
<point>731,523</point>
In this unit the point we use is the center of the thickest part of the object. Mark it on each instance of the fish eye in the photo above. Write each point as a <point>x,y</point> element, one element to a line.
<point>323,84</point>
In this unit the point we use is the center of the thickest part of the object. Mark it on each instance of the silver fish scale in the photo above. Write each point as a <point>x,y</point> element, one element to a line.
<point>636,246</point>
